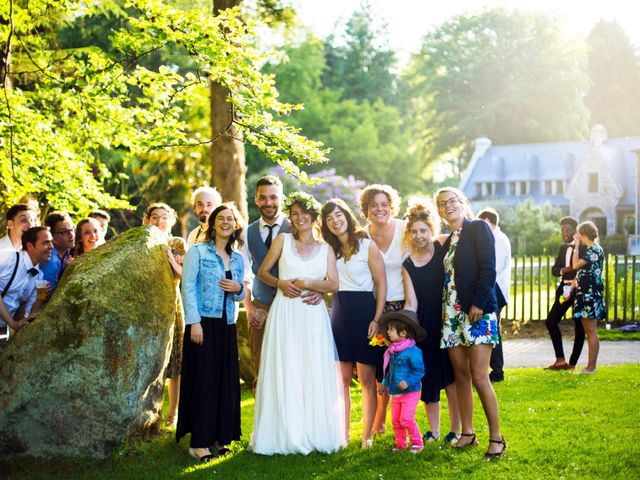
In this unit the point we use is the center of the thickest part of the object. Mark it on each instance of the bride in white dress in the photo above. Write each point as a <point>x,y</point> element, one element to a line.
<point>299,406</point>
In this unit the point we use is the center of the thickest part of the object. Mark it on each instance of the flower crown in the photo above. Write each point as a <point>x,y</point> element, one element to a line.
<point>304,199</point>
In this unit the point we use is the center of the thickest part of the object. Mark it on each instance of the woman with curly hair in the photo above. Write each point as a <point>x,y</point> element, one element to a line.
<point>379,205</point>
<point>423,278</point>
<point>299,406</point>
<point>87,236</point>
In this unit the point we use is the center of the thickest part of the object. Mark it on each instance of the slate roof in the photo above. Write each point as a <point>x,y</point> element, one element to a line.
<point>552,161</point>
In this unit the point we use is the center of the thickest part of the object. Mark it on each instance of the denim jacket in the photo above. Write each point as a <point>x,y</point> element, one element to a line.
<point>406,365</point>
<point>202,271</point>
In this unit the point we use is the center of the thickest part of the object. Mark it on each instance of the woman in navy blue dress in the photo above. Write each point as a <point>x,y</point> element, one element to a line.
<point>423,278</point>
<point>356,307</point>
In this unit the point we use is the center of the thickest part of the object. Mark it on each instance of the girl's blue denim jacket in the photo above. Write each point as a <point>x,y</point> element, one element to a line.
<point>406,365</point>
<point>202,271</point>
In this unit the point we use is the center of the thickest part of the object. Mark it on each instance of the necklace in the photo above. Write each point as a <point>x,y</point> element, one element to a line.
<point>424,255</point>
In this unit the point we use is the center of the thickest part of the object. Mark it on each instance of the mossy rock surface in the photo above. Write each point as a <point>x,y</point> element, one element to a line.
<point>87,374</point>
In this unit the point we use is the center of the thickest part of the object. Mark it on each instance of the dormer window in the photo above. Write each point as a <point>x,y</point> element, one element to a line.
<point>523,188</point>
<point>593,183</point>
<point>488,189</point>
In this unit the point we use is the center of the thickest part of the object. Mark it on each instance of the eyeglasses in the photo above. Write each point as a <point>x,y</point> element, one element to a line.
<point>67,231</point>
<point>452,201</point>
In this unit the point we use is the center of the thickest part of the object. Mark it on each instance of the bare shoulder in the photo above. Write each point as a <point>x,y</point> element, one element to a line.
<point>442,238</point>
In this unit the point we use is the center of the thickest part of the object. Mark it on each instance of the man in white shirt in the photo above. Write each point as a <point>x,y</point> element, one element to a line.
<point>19,271</point>
<point>503,280</point>
<point>20,218</point>
<point>204,200</point>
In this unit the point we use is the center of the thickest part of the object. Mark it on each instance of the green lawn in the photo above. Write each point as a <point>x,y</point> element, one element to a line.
<point>557,425</point>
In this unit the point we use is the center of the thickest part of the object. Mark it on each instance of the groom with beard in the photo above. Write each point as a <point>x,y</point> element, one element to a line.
<point>258,237</point>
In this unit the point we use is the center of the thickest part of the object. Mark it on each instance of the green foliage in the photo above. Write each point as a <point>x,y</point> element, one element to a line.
<point>367,139</point>
<point>532,228</point>
<point>359,61</point>
<point>328,185</point>
<point>511,76</point>
<point>63,107</point>
<point>616,243</point>
<point>614,71</point>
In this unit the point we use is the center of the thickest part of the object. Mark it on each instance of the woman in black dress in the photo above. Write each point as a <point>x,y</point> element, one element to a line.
<point>423,278</point>
<point>212,283</point>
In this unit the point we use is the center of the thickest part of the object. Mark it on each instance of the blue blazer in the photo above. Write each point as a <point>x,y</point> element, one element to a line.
<point>474,263</point>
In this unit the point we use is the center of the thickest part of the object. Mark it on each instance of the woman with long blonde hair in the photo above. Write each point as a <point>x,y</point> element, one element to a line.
<point>469,324</point>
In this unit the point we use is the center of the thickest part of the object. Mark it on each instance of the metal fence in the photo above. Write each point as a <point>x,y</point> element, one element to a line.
<point>533,288</point>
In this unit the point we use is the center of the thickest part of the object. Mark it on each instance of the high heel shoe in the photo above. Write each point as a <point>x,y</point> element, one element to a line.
<point>495,456</point>
<point>204,458</point>
<point>472,443</point>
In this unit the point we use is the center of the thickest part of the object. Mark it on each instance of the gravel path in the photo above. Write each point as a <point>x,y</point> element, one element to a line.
<point>539,352</point>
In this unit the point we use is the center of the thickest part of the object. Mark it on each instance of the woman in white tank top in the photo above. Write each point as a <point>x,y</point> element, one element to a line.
<point>356,307</point>
<point>379,204</point>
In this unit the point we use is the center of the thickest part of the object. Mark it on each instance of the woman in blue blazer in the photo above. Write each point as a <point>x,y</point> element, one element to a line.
<point>469,324</point>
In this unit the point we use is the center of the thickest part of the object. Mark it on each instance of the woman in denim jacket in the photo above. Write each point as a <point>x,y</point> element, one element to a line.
<point>212,283</point>
<point>403,372</point>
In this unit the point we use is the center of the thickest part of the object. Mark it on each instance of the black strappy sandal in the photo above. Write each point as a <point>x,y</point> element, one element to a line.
<point>203,458</point>
<point>472,443</point>
<point>495,456</point>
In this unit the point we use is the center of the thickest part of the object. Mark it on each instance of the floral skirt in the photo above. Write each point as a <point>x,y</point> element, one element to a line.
<point>458,331</point>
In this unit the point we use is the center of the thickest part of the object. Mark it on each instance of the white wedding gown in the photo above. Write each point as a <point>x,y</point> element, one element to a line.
<point>299,404</point>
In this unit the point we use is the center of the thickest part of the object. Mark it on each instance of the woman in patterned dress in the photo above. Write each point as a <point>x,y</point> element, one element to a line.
<point>589,283</point>
<point>163,217</point>
<point>469,324</point>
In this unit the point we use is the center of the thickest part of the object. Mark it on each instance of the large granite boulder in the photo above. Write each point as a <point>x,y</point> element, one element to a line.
<point>87,374</point>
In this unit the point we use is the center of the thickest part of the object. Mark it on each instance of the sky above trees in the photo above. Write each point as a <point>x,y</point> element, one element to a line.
<point>409,20</point>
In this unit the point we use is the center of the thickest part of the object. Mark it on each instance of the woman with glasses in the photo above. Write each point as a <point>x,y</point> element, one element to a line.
<point>470,327</point>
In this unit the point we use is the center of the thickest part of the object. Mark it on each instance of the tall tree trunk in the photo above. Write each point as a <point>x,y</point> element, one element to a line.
<point>228,168</point>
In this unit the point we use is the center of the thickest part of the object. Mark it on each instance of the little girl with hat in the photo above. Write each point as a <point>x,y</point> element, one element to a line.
<point>403,372</point>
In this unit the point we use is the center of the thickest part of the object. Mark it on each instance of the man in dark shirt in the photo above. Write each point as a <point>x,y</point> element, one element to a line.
<point>562,268</point>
